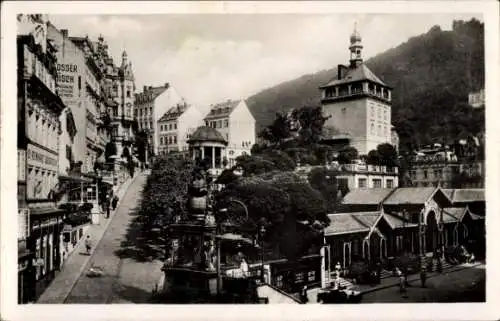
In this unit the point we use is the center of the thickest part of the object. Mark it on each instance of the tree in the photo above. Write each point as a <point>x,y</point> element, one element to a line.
<point>347,155</point>
<point>373,157</point>
<point>324,180</point>
<point>388,154</point>
<point>311,122</point>
<point>278,131</point>
<point>141,142</point>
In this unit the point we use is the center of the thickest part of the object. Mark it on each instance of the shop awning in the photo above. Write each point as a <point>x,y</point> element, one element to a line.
<point>79,179</point>
<point>46,210</point>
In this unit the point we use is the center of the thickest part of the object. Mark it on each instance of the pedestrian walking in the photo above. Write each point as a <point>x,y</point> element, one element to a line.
<point>88,244</point>
<point>338,267</point>
<point>115,202</point>
<point>423,277</point>
<point>400,275</point>
<point>303,295</point>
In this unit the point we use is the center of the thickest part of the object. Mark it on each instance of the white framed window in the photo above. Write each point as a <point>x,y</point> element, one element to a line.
<point>361,182</point>
<point>311,276</point>
<point>299,277</point>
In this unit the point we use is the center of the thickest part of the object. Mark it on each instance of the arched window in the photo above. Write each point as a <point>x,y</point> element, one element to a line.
<point>372,129</point>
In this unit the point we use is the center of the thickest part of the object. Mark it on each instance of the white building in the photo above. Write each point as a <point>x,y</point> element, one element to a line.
<point>236,123</point>
<point>176,126</point>
<point>150,105</point>
<point>367,176</point>
<point>358,102</point>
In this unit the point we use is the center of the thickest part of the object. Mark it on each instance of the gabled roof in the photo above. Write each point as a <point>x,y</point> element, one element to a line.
<point>465,195</point>
<point>369,196</point>
<point>368,219</point>
<point>453,214</point>
<point>346,223</point>
<point>356,74</point>
<point>410,195</point>
<point>152,92</point>
<point>396,222</point>
<point>222,109</point>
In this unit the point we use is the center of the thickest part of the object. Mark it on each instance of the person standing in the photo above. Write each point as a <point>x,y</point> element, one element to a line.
<point>88,244</point>
<point>107,204</point>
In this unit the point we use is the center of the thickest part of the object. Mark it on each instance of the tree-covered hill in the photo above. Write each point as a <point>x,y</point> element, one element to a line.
<point>432,75</point>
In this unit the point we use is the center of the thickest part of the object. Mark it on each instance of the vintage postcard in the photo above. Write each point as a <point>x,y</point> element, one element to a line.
<point>278,160</point>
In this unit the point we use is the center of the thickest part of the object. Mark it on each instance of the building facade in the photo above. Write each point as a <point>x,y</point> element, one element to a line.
<point>176,127</point>
<point>368,176</point>
<point>358,102</point>
<point>236,123</point>
<point>39,109</point>
<point>151,105</point>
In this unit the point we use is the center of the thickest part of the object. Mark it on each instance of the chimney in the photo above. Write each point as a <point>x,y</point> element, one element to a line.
<point>64,32</point>
<point>167,85</point>
<point>341,71</point>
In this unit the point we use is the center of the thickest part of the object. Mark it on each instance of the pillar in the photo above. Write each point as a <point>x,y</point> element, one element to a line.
<point>213,156</point>
<point>202,152</point>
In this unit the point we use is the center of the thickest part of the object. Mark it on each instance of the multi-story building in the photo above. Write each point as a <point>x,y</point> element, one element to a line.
<point>236,123</point>
<point>151,105</point>
<point>358,102</point>
<point>120,84</point>
<point>39,109</point>
<point>367,176</point>
<point>176,126</point>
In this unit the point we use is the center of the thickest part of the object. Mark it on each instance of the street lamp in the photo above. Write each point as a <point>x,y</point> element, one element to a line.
<point>218,232</point>
<point>262,230</point>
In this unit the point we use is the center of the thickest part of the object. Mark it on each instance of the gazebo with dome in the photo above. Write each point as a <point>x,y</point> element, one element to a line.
<point>206,143</point>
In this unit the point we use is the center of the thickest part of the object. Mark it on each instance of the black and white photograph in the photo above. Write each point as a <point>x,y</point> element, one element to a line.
<point>228,157</point>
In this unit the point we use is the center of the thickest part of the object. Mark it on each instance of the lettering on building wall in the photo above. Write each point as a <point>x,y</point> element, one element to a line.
<point>67,80</point>
<point>39,157</point>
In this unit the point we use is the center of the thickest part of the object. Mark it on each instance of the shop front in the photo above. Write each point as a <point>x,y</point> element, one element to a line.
<point>44,243</point>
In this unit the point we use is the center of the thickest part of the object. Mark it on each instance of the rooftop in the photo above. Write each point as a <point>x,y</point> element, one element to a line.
<point>362,196</point>
<point>207,134</point>
<point>174,112</point>
<point>356,74</point>
<point>465,195</point>
<point>222,109</point>
<point>346,223</point>
<point>410,195</point>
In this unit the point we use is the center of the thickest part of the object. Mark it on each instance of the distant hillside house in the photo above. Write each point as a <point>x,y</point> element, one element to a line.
<point>176,127</point>
<point>476,100</point>
<point>358,102</point>
<point>234,121</point>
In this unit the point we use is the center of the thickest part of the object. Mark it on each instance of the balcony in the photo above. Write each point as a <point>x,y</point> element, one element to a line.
<point>332,96</point>
<point>365,168</point>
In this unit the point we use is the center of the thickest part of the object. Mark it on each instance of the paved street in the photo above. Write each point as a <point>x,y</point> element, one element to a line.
<point>467,285</point>
<point>125,280</point>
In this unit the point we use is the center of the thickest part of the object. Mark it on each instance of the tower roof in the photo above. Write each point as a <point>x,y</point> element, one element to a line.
<point>357,74</point>
<point>355,36</point>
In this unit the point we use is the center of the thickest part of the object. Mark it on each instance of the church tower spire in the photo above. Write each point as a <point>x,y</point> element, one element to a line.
<point>355,48</point>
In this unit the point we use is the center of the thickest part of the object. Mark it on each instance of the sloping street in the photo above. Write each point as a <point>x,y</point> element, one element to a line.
<point>125,279</point>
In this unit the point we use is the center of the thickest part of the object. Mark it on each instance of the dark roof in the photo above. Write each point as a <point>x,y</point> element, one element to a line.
<point>206,134</point>
<point>345,223</point>
<point>410,195</point>
<point>174,112</point>
<point>222,109</point>
<point>397,222</point>
<point>356,74</point>
<point>453,214</point>
<point>368,219</point>
<point>366,196</point>
<point>152,92</point>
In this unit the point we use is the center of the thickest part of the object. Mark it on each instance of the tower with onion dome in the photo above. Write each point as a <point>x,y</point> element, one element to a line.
<point>358,102</point>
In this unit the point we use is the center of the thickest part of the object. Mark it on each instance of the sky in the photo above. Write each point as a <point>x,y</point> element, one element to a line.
<point>210,58</point>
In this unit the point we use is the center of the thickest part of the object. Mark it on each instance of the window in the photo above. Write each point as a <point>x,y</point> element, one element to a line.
<point>279,281</point>
<point>372,129</point>
<point>399,243</point>
<point>361,182</point>
<point>128,93</point>
<point>169,126</point>
<point>311,276</point>
<point>175,126</point>
<point>206,123</point>
<point>299,277</point>
<point>377,183</point>
<point>425,173</point>
<point>226,123</point>
<point>175,139</point>
<point>69,155</point>
<point>389,183</point>
<point>151,110</point>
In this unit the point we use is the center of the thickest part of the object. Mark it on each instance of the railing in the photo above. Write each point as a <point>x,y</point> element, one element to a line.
<point>368,168</point>
<point>345,94</point>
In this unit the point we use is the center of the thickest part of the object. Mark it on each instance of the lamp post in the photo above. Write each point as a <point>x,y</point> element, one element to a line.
<point>262,230</point>
<point>218,239</point>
